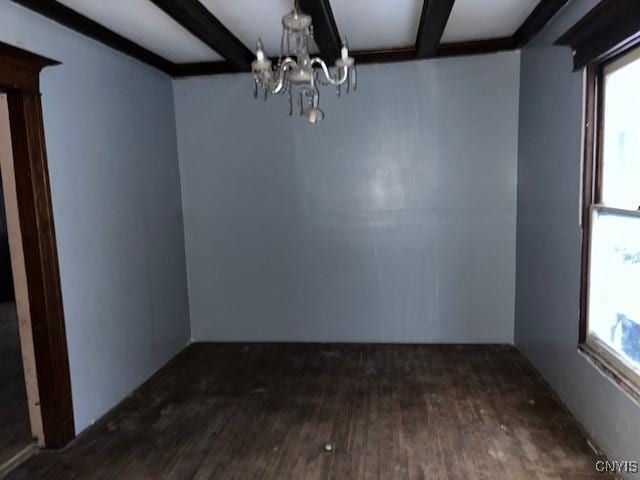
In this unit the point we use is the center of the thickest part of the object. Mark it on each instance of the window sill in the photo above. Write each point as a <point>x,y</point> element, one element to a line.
<point>603,363</point>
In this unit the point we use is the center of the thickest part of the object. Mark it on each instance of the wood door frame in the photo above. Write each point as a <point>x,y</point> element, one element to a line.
<point>20,81</point>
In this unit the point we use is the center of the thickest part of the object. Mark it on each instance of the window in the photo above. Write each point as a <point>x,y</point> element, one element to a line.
<point>611,221</point>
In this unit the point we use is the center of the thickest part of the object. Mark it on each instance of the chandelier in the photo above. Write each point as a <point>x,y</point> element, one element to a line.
<point>296,73</point>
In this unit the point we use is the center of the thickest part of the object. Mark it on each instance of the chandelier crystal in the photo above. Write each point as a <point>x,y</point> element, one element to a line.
<point>296,73</point>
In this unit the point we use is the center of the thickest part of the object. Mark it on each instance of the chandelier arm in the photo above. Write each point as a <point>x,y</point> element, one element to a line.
<point>276,86</point>
<point>333,81</point>
<point>287,64</point>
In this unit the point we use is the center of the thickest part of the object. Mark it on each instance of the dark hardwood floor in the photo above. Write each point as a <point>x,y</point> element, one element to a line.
<point>15,431</point>
<point>389,412</point>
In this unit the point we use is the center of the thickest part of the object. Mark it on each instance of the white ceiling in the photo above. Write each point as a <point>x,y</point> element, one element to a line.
<point>368,24</point>
<point>483,19</point>
<point>375,24</point>
<point>145,24</point>
<point>252,19</point>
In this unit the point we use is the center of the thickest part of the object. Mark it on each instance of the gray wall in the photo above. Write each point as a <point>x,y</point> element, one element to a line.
<point>548,247</point>
<point>392,221</point>
<point>110,132</point>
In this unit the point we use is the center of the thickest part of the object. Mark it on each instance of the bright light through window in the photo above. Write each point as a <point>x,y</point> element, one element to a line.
<point>614,275</point>
<point>614,314</point>
<point>621,139</point>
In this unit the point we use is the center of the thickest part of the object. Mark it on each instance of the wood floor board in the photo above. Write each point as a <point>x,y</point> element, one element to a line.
<point>266,411</point>
<point>15,429</point>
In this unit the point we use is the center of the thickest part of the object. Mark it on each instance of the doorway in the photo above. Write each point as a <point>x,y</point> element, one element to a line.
<point>15,430</point>
<point>34,311</point>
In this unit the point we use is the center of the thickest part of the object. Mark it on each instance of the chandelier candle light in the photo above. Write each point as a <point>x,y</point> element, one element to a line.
<point>296,73</point>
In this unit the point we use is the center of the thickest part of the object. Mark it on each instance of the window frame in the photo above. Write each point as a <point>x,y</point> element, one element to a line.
<point>606,359</point>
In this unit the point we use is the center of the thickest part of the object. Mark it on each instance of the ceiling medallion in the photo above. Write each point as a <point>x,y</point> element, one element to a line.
<point>296,73</point>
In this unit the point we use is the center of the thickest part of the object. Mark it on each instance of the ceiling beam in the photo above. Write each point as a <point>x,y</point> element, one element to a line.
<point>198,20</point>
<point>388,55</point>
<point>363,57</point>
<point>435,14</point>
<point>475,47</point>
<point>325,30</point>
<point>434,18</point>
<point>541,15</point>
<point>69,18</point>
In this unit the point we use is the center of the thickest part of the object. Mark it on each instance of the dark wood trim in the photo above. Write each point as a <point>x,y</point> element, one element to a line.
<point>610,28</point>
<point>39,244</point>
<point>535,22</point>
<point>609,363</point>
<point>477,47</point>
<point>385,56</point>
<point>592,169</point>
<point>198,20</point>
<point>433,20</point>
<point>70,18</point>
<point>364,57</point>
<point>589,169</point>
<point>19,69</point>
<point>444,50</point>
<point>325,30</point>
<point>601,362</point>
